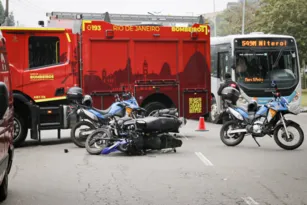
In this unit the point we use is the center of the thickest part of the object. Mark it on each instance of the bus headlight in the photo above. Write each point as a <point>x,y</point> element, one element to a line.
<point>296,97</point>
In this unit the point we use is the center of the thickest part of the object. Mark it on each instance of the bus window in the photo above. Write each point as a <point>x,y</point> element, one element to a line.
<point>213,66</point>
<point>223,64</point>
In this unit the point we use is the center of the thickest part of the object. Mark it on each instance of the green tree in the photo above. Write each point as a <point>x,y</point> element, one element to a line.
<point>230,21</point>
<point>11,20</point>
<point>2,13</point>
<point>288,17</point>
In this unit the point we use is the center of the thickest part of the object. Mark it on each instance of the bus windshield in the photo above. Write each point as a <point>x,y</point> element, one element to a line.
<point>255,69</point>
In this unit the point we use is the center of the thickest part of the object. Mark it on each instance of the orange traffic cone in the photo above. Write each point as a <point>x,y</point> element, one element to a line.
<point>201,125</point>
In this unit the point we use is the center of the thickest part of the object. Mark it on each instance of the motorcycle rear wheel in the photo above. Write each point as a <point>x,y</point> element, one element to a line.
<point>237,136</point>
<point>286,147</point>
<point>100,139</point>
<point>80,142</point>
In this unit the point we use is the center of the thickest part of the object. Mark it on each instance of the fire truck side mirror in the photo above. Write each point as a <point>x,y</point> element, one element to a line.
<point>41,23</point>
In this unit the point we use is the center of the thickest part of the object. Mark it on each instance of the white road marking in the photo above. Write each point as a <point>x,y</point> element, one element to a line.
<point>203,159</point>
<point>250,201</point>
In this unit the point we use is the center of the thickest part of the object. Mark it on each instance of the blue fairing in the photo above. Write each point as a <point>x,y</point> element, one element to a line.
<point>96,113</point>
<point>115,108</point>
<point>113,148</point>
<point>262,111</point>
<point>132,103</point>
<point>265,100</point>
<point>242,112</point>
<point>278,106</point>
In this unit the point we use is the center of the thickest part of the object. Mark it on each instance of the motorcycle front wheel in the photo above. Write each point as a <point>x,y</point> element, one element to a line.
<point>226,137</point>
<point>79,139</point>
<point>294,131</point>
<point>97,141</point>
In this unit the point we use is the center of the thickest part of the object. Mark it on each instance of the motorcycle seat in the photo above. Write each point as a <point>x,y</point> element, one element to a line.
<point>103,112</point>
<point>168,111</point>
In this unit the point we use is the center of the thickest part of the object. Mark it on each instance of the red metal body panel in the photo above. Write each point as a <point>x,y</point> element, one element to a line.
<point>41,83</point>
<point>147,53</point>
<point>146,59</point>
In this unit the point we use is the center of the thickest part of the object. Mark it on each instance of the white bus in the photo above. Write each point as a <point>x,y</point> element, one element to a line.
<point>254,60</point>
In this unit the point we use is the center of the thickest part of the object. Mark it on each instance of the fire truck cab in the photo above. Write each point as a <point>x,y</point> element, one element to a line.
<point>163,66</point>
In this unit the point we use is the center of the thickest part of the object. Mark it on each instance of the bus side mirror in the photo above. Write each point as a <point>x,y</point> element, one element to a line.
<point>4,99</point>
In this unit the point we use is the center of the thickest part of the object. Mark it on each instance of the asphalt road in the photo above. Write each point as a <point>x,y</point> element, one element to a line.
<point>203,171</point>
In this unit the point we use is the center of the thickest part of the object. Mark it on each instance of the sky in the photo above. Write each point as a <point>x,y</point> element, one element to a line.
<point>29,12</point>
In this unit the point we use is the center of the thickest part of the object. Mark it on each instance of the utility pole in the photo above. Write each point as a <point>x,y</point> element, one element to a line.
<point>243,17</point>
<point>7,8</point>
<point>6,13</point>
<point>214,18</point>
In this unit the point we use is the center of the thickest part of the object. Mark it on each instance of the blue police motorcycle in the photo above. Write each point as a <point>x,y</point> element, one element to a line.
<point>259,121</point>
<point>93,118</point>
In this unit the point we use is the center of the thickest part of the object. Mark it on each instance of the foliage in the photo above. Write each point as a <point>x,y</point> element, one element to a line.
<point>230,21</point>
<point>288,17</point>
<point>11,20</point>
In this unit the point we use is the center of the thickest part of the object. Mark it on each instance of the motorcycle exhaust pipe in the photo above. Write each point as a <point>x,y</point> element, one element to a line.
<point>237,131</point>
<point>86,133</point>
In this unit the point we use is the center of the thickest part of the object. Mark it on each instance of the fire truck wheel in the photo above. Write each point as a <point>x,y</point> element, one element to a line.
<point>150,107</point>
<point>20,130</point>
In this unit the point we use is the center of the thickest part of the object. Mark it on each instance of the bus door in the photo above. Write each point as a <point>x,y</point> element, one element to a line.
<point>224,66</point>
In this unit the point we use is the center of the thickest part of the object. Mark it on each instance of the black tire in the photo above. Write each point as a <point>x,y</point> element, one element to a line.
<point>123,148</point>
<point>77,141</point>
<point>20,130</point>
<point>96,151</point>
<point>4,187</point>
<point>286,147</point>
<point>150,107</point>
<point>238,136</point>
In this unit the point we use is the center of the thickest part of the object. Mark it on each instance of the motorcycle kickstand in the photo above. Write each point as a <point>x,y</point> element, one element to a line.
<point>256,142</point>
<point>174,149</point>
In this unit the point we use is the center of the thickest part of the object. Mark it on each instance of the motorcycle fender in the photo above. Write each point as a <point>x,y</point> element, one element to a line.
<point>235,114</point>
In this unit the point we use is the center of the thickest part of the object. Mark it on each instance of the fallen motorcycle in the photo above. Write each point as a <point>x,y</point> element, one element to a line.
<point>259,121</point>
<point>136,136</point>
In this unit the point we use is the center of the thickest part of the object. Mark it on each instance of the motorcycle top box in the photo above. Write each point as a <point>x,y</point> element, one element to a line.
<point>74,93</point>
<point>230,93</point>
<point>161,124</point>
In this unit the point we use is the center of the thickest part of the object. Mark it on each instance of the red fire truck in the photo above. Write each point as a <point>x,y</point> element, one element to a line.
<point>163,66</point>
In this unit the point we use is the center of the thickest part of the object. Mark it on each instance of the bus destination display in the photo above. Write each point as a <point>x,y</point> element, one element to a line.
<point>264,42</point>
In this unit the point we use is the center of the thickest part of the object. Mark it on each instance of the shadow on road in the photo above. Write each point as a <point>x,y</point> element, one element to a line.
<point>260,149</point>
<point>45,142</point>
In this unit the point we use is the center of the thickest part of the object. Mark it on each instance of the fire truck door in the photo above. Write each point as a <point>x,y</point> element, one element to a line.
<point>46,72</point>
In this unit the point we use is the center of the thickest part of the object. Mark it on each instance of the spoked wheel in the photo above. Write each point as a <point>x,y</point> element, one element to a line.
<point>97,141</point>
<point>293,140</point>
<point>231,139</point>
<point>80,132</point>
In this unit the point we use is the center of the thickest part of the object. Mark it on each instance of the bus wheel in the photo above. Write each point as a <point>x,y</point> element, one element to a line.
<point>20,130</point>
<point>213,116</point>
<point>151,107</point>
